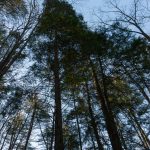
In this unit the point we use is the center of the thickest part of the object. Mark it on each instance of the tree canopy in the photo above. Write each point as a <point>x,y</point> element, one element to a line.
<point>64,86</point>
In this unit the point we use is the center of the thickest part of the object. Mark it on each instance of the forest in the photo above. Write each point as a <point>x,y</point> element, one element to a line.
<point>67,86</point>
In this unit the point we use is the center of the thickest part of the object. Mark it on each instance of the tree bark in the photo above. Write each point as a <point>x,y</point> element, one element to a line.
<point>58,113</point>
<point>108,114</point>
<point>93,122</point>
<point>141,133</point>
<point>78,126</point>
<point>31,126</point>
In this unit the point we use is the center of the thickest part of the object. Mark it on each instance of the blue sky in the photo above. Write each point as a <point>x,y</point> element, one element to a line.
<point>88,8</point>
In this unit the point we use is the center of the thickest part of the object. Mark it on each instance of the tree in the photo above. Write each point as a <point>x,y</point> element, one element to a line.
<point>135,15</point>
<point>79,89</point>
<point>14,41</point>
<point>58,24</point>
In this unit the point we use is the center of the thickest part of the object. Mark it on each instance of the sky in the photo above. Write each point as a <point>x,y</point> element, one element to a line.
<point>88,8</point>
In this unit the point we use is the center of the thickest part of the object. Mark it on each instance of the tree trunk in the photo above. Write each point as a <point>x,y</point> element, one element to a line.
<point>58,113</point>
<point>5,138</point>
<point>12,141</point>
<point>118,121</point>
<point>78,126</point>
<point>30,127</point>
<point>108,114</point>
<point>143,136</point>
<point>93,122</point>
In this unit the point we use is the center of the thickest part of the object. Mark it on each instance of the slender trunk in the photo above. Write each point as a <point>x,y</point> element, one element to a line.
<point>17,134</point>
<point>108,114</point>
<point>121,135</point>
<point>2,133</point>
<point>130,118</point>
<point>31,126</point>
<point>42,134</point>
<point>4,141</point>
<point>11,141</point>
<point>78,126</point>
<point>58,113</point>
<point>142,134</point>
<point>3,125</point>
<point>20,143</point>
<point>5,138</point>
<point>139,135</point>
<point>93,122</point>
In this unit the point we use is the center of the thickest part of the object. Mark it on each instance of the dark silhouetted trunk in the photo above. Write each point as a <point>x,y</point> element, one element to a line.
<point>5,137</point>
<point>30,126</point>
<point>138,128</point>
<point>93,122</point>
<point>58,113</point>
<point>118,122</point>
<point>108,114</point>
